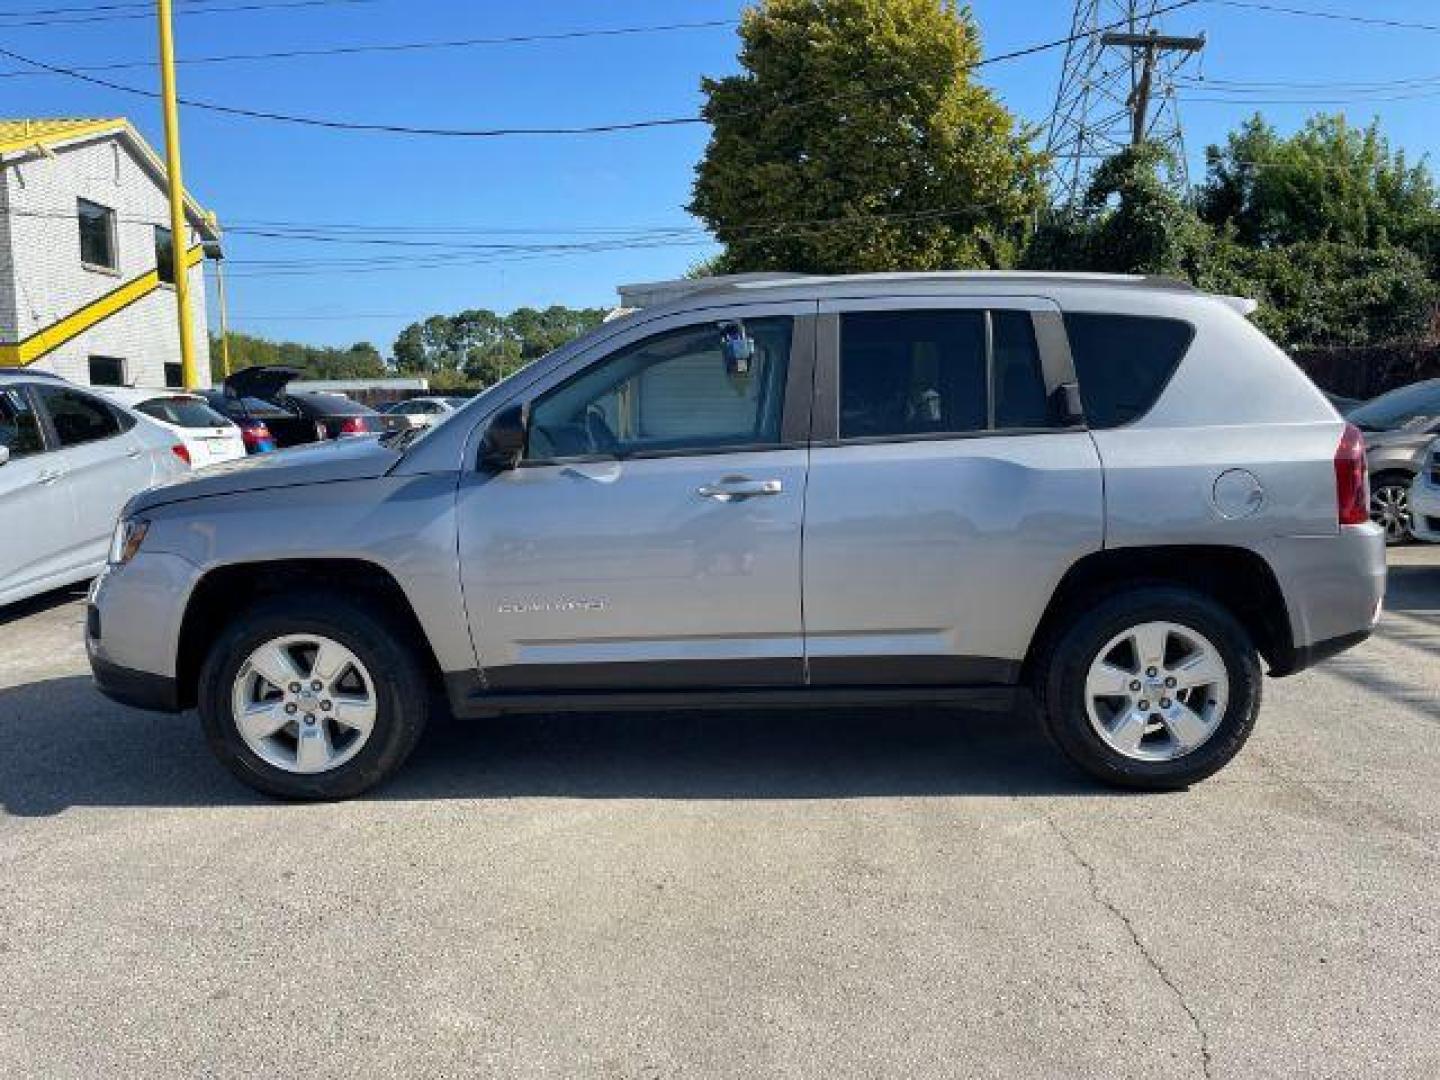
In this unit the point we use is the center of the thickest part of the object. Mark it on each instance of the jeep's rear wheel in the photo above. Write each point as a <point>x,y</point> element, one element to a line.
<point>306,707</point>
<point>1155,688</point>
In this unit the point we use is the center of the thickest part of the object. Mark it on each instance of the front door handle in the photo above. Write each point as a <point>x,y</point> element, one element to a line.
<point>735,488</point>
<point>49,476</point>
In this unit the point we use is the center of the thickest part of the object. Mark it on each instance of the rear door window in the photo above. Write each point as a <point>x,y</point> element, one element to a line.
<point>917,373</point>
<point>1020,398</point>
<point>912,373</point>
<point>1123,362</point>
<point>79,418</point>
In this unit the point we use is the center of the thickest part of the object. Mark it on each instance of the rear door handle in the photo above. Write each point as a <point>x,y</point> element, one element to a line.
<point>49,476</point>
<point>735,488</point>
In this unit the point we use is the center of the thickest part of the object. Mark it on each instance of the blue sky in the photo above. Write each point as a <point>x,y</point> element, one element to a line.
<point>254,172</point>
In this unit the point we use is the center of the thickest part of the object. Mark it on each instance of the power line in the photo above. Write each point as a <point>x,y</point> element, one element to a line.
<point>617,234</point>
<point>1352,99</point>
<point>149,13</point>
<point>398,47</point>
<point>1336,16</point>
<point>585,129</point>
<point>1240,85</point>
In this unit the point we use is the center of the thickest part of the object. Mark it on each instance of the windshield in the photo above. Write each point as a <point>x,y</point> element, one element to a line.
<point>185,412</point>
<point>1410,406</point>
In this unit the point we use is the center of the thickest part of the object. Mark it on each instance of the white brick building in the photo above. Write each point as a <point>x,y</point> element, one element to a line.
<point>84,273</point>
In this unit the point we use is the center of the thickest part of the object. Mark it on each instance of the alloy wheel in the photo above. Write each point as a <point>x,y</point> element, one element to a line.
<point>1390,509</point>
<point>304,703</point>
<point>1157,691</point>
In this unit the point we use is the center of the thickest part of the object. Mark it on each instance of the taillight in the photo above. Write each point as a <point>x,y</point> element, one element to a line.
<point>1352,478</point>
<point>181,451</point>
<point>353,425</point>
<point>257,437</point>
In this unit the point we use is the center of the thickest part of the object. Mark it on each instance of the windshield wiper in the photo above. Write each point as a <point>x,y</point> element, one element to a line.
<point>398,440</point>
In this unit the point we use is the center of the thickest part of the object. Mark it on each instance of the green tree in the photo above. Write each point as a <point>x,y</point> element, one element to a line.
<point>1330,181</point>
<point>1130,221</point>
<point>360,361</point>
<point>479,347</point>
<point>862,109</point>
<point>1324,293</point>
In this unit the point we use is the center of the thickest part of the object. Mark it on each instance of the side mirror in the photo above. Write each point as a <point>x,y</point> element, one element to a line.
<point>504,441</point>
<point>4,454</point>
<point>1067,406</point>
<point>738,348</point>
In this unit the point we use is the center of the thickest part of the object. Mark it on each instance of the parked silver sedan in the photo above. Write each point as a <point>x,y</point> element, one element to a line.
<point>424,411</point>
<point>68,462</point>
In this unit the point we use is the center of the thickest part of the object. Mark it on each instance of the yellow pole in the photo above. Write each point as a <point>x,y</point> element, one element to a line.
<point>179,234</point>
<point>224,319</point>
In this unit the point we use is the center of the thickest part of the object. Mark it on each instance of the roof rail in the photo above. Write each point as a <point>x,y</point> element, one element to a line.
<point>651,294</point>
<point>31,373</point>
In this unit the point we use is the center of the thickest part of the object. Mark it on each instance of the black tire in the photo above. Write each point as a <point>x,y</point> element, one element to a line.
<point>1061,675</point>
<point>402,692</point>
<point>1392,480</point>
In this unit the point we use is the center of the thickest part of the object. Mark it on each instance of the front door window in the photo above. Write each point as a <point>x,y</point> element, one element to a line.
<point>675,393</point>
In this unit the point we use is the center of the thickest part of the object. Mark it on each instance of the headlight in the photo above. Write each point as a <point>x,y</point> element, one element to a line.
<point>129,535</point>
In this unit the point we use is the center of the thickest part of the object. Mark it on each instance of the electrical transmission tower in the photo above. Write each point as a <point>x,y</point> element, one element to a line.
<point>1116,89</point>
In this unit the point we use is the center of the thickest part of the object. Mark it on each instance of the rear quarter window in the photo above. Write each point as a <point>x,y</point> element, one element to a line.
<point>1123,362</point>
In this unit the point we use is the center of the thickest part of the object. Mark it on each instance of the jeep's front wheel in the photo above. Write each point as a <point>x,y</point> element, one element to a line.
<point>304,707</point>
<point>1154,688</point>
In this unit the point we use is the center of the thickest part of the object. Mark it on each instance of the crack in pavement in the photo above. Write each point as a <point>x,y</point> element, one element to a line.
<point>1100,898</point>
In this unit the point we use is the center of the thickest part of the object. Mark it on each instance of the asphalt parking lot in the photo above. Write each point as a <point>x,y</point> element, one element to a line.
<point>904,893</point>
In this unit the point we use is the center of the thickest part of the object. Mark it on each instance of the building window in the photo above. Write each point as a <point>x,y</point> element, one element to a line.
<point>175,376</point>
<point>107,371</point>
<point>165,254</point>
<point>97,235</point>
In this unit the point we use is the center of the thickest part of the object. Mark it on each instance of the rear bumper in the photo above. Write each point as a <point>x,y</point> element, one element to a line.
<point>1307,656</point>
<point>1334,588</point>
<point>138,689</point>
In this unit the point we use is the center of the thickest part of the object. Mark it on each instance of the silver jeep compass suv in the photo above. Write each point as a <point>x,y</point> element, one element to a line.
<point>1112,492</point>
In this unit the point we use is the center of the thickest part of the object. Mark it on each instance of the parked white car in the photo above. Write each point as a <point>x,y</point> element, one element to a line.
<point>208,437</point>
<point>1425,497</point>
<point>69,460</point>
<point>424,411</point>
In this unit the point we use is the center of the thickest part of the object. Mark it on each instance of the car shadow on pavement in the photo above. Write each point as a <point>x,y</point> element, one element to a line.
<point>1413,588</point>
<point>35,605</point>
<point>66,746</point>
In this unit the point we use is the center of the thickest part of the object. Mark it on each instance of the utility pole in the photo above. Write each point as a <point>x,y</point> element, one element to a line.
<point>179,233</point>
<point>1109,99</point>
<point>1147,48</point>
<point>216,255</point>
